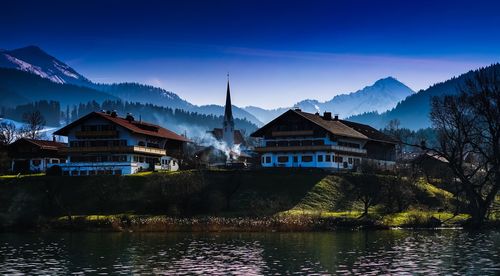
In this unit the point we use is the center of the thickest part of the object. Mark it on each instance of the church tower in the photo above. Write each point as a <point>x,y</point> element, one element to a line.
<point>228,125</point>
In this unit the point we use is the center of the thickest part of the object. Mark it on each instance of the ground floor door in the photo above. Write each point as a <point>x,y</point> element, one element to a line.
<point>21,166</point>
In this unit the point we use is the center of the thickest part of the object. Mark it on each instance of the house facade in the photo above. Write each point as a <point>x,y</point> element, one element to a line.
<point>34,156</point>
<point>105,143</point>
<point>301,139</point>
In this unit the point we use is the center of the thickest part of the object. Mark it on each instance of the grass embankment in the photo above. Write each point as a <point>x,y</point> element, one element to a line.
<point>266,200</point>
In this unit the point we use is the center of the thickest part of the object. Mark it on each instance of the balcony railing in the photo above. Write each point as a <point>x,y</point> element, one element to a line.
<point>293,133</point>
<point>103,133</point>
<point>121,149</point>
<point>311,148</point>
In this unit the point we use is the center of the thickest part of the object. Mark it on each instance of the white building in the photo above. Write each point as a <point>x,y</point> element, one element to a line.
<point>300,139</point>
<point>104,143</point>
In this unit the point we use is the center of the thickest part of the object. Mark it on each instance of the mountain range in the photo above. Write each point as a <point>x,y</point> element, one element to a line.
<point>413,112</point>
<point>71,88</point>
<point>383,95</point>
<point>30,74</point>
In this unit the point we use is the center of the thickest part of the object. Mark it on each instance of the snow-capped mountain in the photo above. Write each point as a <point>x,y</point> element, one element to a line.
<point>34,60</point>
<point>383,95</point>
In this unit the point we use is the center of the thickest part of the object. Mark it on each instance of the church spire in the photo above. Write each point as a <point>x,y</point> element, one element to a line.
<point>228,125</point>
<point>228,112</point>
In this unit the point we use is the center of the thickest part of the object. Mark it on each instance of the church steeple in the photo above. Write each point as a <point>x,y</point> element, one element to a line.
<point>228,112</point>
<point>228,124</point>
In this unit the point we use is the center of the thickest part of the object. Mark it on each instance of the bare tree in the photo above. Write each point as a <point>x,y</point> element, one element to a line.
<point>468,124</point>
<point>34,125</point>
<point>8,133</point>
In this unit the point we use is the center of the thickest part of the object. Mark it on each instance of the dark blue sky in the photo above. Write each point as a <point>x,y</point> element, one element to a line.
<point>277,52</point>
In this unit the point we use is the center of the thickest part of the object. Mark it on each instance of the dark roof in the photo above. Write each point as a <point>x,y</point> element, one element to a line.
<point>238,137</point>
<point>43,144</point>
<point>337,127</point>
<point>333,126</point>
<point>368,131</point>
<point>138,127</point>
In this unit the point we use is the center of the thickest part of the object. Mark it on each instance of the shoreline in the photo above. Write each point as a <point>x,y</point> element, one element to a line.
<point>212,224</point>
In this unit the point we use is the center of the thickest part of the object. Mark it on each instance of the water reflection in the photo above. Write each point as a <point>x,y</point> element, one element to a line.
<point>345,253</point>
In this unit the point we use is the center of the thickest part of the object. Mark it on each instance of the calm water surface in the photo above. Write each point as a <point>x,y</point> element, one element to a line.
<point>345,253</point>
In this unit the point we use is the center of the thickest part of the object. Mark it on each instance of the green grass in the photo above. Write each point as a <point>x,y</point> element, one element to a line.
<point>322,214</point>
<point>414,216</point>
<point>433,191</point>
<point>10,176</point>
<point>323,196</point>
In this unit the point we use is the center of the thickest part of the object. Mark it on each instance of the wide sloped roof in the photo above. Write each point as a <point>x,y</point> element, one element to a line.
<point>43,144</point>
<point>338,127</point>
<point>138,127</point>
<point>333,126</point>
<point>368,131</point>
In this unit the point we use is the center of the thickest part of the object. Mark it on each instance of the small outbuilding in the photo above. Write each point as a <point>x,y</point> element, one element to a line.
<point>34,156</point>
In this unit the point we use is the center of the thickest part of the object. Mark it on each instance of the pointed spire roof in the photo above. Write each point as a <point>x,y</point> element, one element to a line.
<point>228,112</point>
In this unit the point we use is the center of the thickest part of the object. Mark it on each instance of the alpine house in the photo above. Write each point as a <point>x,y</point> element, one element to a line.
<point>301,139</point>
<point>104,143</point>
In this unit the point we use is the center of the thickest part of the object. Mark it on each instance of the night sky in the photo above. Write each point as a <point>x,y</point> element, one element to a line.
<point>277,53</point>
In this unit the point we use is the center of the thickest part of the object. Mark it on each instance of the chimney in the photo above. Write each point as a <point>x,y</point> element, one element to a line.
<point>336,118</point>
<point>317,113</point>
<point>297,108</point>
<point>129,117</point>
<point>108,112</point>
<point>327,115</point>
<point>114,114</point>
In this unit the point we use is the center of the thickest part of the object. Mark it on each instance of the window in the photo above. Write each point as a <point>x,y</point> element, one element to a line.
<point>349,145</point>
<point>295,159</point>
<point>307,158</point>
<point>83,173</point>
<point>306,143</point>
<point>293,143</point>
<point>282,159</point>
<point>270,144</point>
<point>92,172</point>
<point>268,159</point>
<point>328,158</point>
<point>282,143</point>
<point>339,159</point>
<point>320,158</point>
<point>74,173</point>
<point>36,162</point>
<point>118,172</point>
<point>318,142</point>
<point>356,161</point>
<point>349,160</point>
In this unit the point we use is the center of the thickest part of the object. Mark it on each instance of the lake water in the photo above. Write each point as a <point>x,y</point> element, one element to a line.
<point>350,253</point>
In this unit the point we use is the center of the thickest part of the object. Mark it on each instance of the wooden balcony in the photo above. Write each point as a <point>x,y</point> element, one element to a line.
<point>292,133</point>
<point>339,149</point>
<point>117,149</point>
<point>104,133</point>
